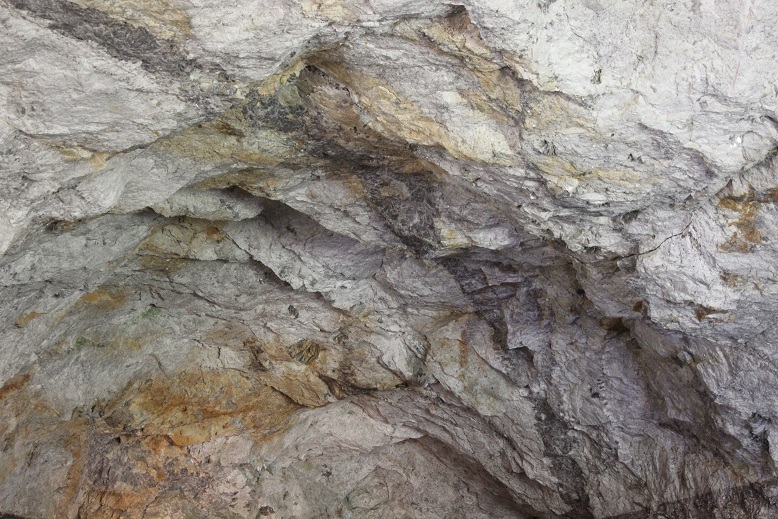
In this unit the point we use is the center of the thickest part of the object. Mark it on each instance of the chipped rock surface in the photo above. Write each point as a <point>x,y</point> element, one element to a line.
<point>388,259</point>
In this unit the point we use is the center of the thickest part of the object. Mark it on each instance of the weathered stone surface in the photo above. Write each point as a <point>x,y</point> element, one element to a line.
<point>335,258</point>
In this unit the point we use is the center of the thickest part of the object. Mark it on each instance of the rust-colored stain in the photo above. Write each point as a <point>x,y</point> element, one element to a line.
<point>14,384</point>
<point>103,299</point>
<point>113,501</point>
<point>25,319</point>
<point>156,464</point>
<point>196,406</point>
<point>747,234</point>
<point>215,234</point>
<point>160,444</point>
<point>213,231</point>
<point>75,443</point>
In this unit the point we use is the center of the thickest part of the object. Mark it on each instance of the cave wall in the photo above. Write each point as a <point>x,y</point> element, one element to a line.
<point>388,258</point>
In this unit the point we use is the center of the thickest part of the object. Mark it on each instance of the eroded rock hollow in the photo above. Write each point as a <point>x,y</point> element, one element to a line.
<point>388,259</point>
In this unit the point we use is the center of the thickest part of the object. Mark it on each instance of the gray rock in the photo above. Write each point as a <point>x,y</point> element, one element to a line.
<point>388,259</point>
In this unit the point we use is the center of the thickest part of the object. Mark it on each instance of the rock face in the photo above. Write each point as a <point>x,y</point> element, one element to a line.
<point>389,259</point>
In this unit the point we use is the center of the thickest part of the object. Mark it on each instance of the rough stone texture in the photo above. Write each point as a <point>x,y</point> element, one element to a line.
<point>388,258</point>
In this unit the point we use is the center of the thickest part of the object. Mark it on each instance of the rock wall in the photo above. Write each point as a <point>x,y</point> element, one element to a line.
<point>388,258</point>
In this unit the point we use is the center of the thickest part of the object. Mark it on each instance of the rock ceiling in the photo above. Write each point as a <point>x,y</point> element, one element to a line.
<point>388,259</point>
